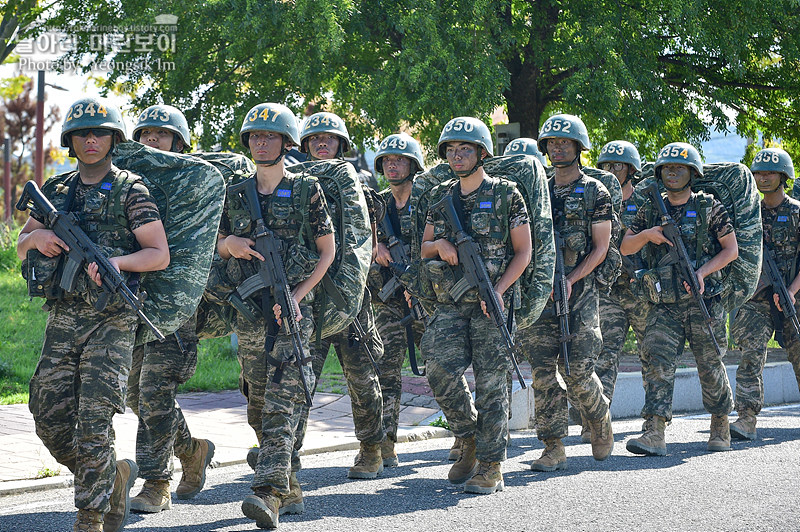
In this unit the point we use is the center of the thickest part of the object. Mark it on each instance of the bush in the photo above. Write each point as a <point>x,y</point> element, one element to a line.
<point>8,246</point>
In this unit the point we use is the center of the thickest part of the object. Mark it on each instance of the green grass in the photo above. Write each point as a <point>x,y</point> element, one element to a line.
<point>217,367</point>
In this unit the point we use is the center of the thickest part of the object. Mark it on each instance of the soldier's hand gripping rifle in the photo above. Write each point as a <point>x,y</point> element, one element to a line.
<point>476,275</point>
<point>561,302</point>
<point>400,262</point>
<point>779,287</point>
<point>82,252</point>
<point>271,276</point>
<point>678,256</point>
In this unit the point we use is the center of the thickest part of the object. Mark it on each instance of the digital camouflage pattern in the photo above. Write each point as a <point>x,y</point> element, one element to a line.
<point>190,195</point>
<point>158,369</point>
<point>607,272</point>
<point>340,293</point>
<point>91,348</point>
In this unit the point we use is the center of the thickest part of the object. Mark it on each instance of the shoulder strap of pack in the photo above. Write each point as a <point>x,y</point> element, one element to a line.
<point>704,205</point>
<point>301,200</point>
<point>501,191</point>
<point>121,185</point>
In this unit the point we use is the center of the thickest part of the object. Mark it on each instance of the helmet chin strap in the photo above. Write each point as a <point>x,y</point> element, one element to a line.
<point>403,180</point>
<point>566,165</point>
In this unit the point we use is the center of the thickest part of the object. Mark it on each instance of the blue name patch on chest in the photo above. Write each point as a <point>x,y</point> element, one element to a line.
<point>283,193</point>
<point>783,218</point>
<point>630,208</point>
<point>106,186</point>
<point>579,190</point>
<point>485,205</point>
<point>691,214</point>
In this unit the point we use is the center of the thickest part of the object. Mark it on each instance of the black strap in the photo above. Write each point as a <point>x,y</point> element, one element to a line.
<point>394,216</point>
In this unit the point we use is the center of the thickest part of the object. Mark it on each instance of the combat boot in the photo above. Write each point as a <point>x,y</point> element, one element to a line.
<point>88,521</point>
<point>720,438</point>
<point>293,503</point>
<point>455,450</point>
<point>153,498</point>
<point>368,462</point>
<point>652,442</point>
<point>586,431</point>
<point>194,469</point>
<point>553,457</point>
<point>602,437</point>
<point>388,453</point>
<point>744,428</point>
<point>252,457</point>
<point>114,520</point>
<point>487,480</point>
<point>467,465</point>
<point>262,507</point>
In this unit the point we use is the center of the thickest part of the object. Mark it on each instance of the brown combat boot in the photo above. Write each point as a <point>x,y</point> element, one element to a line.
<point>467,465</point>
<point>720,438</point>
<point>88,521</point>
<point>744,428</point>
<point>153,498</point>
<point>368,462</point>
<point>388,453</point>
<point>293,503</point>
<point>194,469</point>
<point>602,437</point>
<point>487,480</point>
<point>553,457</point>
<point>263,507</point>
<point>652,442</point>
<point>455,450</point>
<point>586,431</point>
<point>114,520</point>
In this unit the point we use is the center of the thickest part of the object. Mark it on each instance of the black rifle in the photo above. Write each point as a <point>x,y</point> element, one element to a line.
<point>82,252</point>
<point>779,287</point>
<point>678,256</point>
<point>271,280</point>
<point>476,275</point>
<point>400,262</point>
<point>561,301</point>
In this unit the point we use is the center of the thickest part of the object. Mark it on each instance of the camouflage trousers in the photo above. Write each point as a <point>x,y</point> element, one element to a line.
<point>540,344</point>
<point>455,337</point>
<point>395,346</point>
<point>274,408</point>
<point>157,371</point>
<point>619,310</point>
<point>78,386</point>
<point>668,328</point>
<point>363,385</point>
<point>751,330</point>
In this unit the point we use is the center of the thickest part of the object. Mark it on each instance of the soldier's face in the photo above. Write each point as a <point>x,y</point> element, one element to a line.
<point>91,145</point>
<point>461,156</point>
<point>675,176</point>
<point>768,181</point>
<point>620,170</point>
<point>264,145</point>
<point>396,167</point>
<point>323,146</point>
<point>561,150</point>
<point>156,137</point>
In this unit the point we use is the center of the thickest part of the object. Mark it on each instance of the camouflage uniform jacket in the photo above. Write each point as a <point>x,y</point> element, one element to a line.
<point>782,236</point>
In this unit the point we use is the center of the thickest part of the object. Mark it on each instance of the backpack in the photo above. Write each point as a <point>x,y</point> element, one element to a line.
<point>607,272</point>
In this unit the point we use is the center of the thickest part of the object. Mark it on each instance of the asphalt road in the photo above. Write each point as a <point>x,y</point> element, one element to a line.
<point>754,487</point>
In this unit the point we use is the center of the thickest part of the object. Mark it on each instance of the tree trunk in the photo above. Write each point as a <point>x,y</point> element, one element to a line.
<point>525,101</point>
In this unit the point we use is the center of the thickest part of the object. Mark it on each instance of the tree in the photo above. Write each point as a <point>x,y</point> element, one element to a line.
<point>19,21</point>
<point>651,72</point>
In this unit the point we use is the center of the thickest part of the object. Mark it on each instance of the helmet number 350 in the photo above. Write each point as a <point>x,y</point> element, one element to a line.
<point>459,125</point>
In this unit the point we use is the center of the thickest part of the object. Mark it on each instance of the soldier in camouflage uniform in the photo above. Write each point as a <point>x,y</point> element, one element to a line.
<point>324,136</point>
<point>620,308</point>
<point>675,317</point>
<point>460,332</point>
<point>275,392</point>
<point>582,214</point>
<point>160,367</point>
<point>398,158</point>
<point>80,380</point>
<point>761,316</point>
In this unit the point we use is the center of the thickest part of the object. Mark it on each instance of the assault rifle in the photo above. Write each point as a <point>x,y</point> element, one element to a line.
<point>678,256</point>
<point>82,252</point>
<point>779,287</point>
<point>476,275</point>
<point>400,262</point>
<point>561,301</point>
<point>271,277</point>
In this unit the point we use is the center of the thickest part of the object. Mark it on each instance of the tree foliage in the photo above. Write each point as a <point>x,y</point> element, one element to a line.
<point>651,72</point>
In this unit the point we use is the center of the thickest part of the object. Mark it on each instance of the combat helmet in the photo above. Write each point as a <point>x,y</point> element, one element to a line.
<point>400,144</point>
<point>679,153</point>
<point>93,113</point>
<point>563,126</point>
<point>774,160</point>
<point>165,117</point>
<point>272,117</point>
<point>621,151</point>
<point>466,129</point>
<point>325,123</point>
<point>527,146</point>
